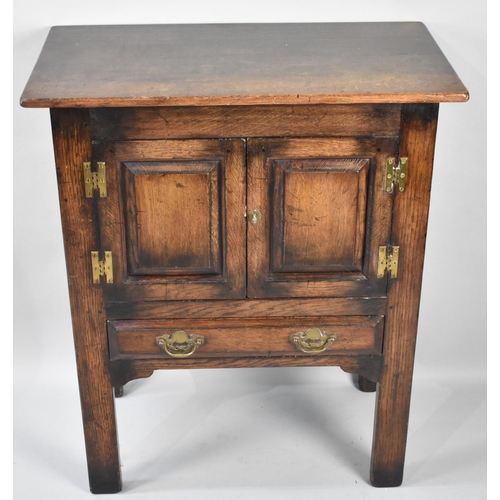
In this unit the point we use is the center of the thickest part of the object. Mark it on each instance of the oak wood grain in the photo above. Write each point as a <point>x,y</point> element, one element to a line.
<point>72,146</point>
<point>314,198</point>
<point>355,306</point>
<point>197,125</point>
<point>170,205</point>
<point>195,122</point>
<point>241,64</point>
<point>125,370</point>
<point>356,207</point>
<point>245,337</point>
<point>418,133</point>
<point>174,218</point>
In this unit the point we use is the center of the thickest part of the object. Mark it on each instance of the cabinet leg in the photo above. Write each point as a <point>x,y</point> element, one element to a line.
<point>390,431</point>
<point>101,441</point>
<point>366,385</point>
<point>418,132</point>
<point>72,146</point>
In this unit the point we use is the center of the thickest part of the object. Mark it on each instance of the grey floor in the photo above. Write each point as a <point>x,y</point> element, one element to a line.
<point>294,433</point>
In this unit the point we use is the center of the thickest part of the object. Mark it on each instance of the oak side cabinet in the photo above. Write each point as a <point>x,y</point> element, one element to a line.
<point>242,196</point>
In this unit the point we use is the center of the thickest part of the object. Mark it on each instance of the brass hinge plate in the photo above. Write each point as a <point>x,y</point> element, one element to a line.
<point>388,260</point>
<point>395,173</point>
<point>95,180</point>
<point>102,268</point>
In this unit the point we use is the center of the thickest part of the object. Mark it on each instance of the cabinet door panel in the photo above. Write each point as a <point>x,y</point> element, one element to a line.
<point>173,223</point>
<point>311,200</point>
<point>324,215</point>
<point>173,219</point>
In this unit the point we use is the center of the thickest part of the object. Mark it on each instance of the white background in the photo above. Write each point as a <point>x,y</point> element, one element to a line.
<point>261,433</point>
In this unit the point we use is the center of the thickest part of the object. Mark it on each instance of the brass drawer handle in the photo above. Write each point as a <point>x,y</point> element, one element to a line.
<point>313,341</point>
<point>180,344</point>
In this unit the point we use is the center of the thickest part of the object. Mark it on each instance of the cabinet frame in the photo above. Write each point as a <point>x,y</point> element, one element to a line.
<point>392,370</point>
<point>216,83</point>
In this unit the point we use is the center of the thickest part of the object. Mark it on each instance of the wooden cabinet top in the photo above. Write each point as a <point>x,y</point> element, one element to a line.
<point>241,64</point>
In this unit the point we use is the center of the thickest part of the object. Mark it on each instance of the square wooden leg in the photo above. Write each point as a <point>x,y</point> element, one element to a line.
<point>390,430</point>
<point>418,132</point>
<point>101,442</point>
<point>72,146</point>
<point>366,385</point>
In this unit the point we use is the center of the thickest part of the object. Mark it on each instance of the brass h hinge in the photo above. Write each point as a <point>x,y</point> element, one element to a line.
<point>395,174</point>
<point>388,258</point>
<point>95,180</point>
<point>100,268</point>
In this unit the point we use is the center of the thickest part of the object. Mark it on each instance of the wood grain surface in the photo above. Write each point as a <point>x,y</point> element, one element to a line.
<point>124,370</point>
<point>198,125</point>
<point>245,337</point>
<point>71,134</point>
<point>340,219</point>
<point>222,64</point>
<point>174,218</point>
<point>264,308</point>
<point>191,122</point>
<point>418,134</point>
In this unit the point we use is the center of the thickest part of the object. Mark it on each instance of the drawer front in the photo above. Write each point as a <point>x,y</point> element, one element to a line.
<point>178,338</point>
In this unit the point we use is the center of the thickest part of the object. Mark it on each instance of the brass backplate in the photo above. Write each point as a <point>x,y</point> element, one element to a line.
<point>180,344</point>
<point>313,341</point>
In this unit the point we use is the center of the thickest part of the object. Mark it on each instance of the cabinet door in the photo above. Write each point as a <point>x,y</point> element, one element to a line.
<point>173,219</point>
<point>324,214</point>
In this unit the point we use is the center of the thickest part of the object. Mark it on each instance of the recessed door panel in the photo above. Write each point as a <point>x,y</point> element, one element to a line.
<point>323,215</point>
<point>318,214</point>
<point>173,217</point>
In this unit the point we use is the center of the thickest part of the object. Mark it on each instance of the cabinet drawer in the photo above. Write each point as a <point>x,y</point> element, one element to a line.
<point>232,337</point>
